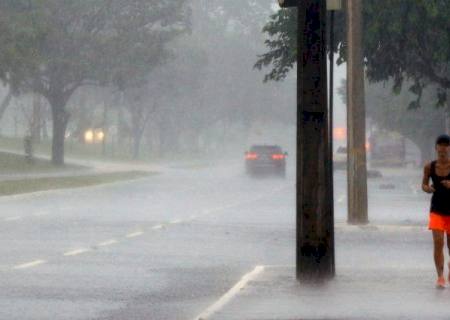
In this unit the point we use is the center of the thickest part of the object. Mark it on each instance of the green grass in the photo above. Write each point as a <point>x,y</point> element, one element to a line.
<point>12,187</point>
<point>72,148</point>
<point>14,163</point>
<point>76,149</point>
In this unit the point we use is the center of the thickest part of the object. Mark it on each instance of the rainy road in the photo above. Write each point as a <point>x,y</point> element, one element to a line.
<point>164,247</point>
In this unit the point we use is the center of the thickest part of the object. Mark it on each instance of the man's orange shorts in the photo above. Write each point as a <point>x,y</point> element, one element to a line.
<point>439,222</point>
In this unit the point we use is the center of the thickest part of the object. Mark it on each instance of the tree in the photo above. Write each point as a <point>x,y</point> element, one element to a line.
<point>54,47</point>
<point>390,111</point>
<point>237,24</point>
<point>184,82</point>
<point>410,40</point>
<point>244,16</point>
<point>5,103</point>
<point>402,39</point>
<point>282,44</point>
<point>140,109</point>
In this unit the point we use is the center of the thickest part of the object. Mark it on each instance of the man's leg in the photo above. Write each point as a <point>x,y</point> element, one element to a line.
<point>438,240</point>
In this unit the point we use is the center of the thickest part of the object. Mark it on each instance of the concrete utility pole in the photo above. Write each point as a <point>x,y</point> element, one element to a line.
<point>315,222</point>
<point>356,117</point>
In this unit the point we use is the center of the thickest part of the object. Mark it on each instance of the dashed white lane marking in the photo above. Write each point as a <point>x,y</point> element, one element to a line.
<point>157,227</point>
<point>13,218</point>
<point>30,264</point>
<point>107,243</point>
<point>76,252</point>
<point>175,221</point>
<point>135,234</point>
<point>227,297</point>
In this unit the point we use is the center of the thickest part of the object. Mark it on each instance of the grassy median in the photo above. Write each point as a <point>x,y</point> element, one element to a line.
<point>11,187</point>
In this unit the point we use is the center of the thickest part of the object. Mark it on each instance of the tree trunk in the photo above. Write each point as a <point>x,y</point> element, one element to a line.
<point>5,103</point>
<point>36,122</point>
<point>104,128</point>
<point>60,119</point>
<point>84,120</point>
<point>136,125</point>
<point>164,135</point>
<point>45,135</point>
<point>137,138</point>
<point>122,130</point>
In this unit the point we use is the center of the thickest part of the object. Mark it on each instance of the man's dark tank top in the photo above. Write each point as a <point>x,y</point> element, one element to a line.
<point>440,202</point>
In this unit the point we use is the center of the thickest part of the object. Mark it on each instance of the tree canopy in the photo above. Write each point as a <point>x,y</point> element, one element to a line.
<point>402,39</point>
<point>52,47</point>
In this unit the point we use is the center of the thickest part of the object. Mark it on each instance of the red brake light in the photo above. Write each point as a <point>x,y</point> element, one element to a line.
<point>251,156</point>
<point>278,156</point>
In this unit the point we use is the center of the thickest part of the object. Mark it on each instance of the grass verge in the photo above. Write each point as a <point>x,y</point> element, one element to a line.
<point>11,187</point>
<point>77,150</point>
<point>15,163</point>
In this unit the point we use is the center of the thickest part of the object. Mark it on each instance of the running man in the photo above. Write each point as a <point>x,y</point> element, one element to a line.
<point>439,173</point>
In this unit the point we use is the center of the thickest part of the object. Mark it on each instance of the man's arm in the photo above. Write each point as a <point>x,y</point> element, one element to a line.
<point>426,179</point>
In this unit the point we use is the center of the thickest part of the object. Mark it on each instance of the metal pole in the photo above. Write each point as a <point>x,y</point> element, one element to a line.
<point>330,120</point>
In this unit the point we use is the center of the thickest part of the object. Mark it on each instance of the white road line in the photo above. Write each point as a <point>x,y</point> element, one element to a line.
<point>30,264</point>
<point>135,234</point>
<point>227,297</point>
<point>13,218</point>
<point>107,243</point>
<point>157,227</point>
<point>176,221</point>
<point>76,252</point>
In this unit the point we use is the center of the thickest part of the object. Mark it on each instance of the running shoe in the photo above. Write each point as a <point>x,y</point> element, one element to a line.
<point>440,283</point>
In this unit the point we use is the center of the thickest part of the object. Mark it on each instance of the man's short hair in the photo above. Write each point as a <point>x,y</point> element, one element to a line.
<point>443,139</point>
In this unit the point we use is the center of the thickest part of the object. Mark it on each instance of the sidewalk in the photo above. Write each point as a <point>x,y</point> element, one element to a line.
<point>380,294</point>
<point>374,285</point>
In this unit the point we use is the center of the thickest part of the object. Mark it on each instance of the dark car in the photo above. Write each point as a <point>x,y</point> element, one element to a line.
<point>265,159</point>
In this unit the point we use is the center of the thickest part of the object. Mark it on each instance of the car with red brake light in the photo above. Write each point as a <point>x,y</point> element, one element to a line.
<point>265,159</point>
